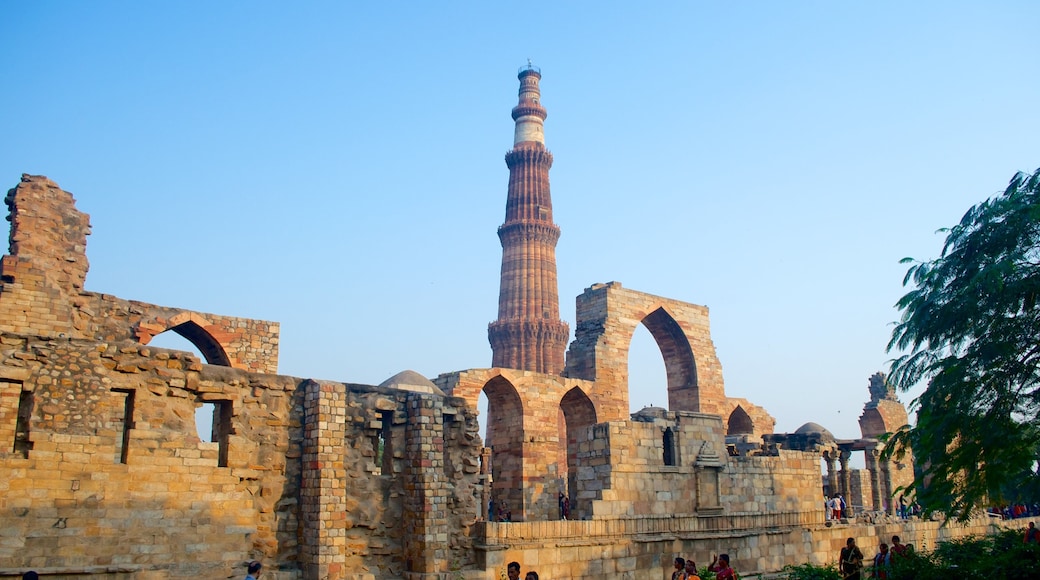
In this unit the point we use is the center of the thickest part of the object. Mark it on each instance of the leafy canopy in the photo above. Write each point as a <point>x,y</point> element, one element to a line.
<point>970,330</point>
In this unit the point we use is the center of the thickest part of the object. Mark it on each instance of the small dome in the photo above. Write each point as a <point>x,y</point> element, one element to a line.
<point>411,381</point>
<point>648,414</point>
<point>811,428</point>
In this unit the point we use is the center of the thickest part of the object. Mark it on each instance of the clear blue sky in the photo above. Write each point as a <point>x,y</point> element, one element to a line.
<point>337,166</point>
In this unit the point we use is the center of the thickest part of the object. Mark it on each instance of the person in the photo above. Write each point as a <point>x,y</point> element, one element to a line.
<point>835,508</point>
<point>1032,534</point>
<point>566,508</point>
<point>720,566</point>
<point>902,506</point>
<point>882,562</point>
<point>680,568</point>
<point>513,570</point>
<point>532,575</point>
<point>30,575</point>
<point>253,570</point>
<point>899,549</point>
<point>850,559</point>
<point>844,506</point>
<point>691,571</point>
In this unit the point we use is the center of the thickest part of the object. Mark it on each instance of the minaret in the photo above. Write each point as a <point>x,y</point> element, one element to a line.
<point>529,334</point>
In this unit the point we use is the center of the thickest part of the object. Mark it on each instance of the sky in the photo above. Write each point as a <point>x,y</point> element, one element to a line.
<point>338,167</point>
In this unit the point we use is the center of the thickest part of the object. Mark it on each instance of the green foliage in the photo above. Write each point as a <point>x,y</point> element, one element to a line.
<point>969,331</point>
<point>998,557</point>
<point>811,572</point>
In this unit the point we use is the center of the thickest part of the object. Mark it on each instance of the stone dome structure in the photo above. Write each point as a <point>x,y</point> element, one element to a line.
<point>811,428</point>
<point>411,381</point>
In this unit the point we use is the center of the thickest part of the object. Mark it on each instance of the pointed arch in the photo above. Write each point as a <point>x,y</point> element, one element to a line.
<point>740,422</point>
<point>204,341</point>
<point>192,327</point>
<point>680,366</point>
<point>578,413</point>
<point>505,438</point>
<point>872,423</point>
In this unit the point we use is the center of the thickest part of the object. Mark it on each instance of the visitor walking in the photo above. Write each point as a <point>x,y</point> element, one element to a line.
<point>253,570</point>
<point>850,560</point>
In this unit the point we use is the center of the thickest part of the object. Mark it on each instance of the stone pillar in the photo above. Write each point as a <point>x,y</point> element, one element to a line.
<point>886,481</point>
<point>832,474</point>
<point>875,487</point>
<point>323,505</point>
<point>425,522</point>
<point>843,458</point>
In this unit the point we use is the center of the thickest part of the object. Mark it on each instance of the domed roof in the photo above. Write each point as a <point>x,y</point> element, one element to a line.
<point>811,428</point>
<point>648,414</point>
<point>411,381</point>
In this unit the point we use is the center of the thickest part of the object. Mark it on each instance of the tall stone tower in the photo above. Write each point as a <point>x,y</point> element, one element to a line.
<point>529,334</point>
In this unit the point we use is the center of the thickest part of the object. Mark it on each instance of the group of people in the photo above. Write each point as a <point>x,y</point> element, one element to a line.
<point>1015,511</point>
<point>850,560</point>
<point>836,507</point>
<point>687,569</point>
<point>513,571</point>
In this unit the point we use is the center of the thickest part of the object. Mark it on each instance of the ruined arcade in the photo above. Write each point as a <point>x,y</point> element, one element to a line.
<point>105,476</point>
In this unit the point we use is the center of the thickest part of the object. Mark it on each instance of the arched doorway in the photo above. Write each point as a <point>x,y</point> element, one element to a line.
<point>578,413</point>
<point>505,432</point>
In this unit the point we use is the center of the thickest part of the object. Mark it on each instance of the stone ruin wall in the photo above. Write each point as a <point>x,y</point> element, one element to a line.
<point>89,489</point>
<point>42,283</point>
<point>624,472</point>
<point>643,548</point>
<point>106,476</point>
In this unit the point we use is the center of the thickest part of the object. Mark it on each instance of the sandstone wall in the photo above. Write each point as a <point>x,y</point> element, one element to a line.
<point>644,548</point>
<point>104,472</point>
<point>41,290</point>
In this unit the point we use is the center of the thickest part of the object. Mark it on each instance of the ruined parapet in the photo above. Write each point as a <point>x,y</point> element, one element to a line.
<point>42,277</point>
<point>42,290</point>
<point>745,418</point>
<point>883,413</point>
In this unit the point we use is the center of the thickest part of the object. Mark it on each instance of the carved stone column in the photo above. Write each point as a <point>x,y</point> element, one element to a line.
<point>886,481</point>
<point>875,478</point>
<point>832,474</point>
<point>843,458</point>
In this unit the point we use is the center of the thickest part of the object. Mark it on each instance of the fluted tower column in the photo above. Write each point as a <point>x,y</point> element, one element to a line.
<point>529,334</point>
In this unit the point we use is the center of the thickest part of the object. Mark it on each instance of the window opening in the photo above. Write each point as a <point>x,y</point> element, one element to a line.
<point>669,446</point>
<point>213,424</point>
<point>204,422</point>
<point>448,425</point>
<point>22,443</point>
<point>384,449</point>
<point>128,424</point>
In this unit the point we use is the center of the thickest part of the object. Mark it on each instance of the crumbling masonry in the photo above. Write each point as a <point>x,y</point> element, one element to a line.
<point>102,473</point>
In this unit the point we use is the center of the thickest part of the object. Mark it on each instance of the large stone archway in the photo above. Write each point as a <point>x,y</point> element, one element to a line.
<point>608,315</point>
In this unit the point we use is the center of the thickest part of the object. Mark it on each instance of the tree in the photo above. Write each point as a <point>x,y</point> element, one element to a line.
<point>970,331</point>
